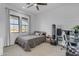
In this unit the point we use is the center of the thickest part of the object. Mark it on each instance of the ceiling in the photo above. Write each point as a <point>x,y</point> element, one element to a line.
<point>23,7</point>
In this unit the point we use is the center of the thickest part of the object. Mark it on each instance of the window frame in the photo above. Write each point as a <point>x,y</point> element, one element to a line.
<point>15,24</point>
<point>24,18</point>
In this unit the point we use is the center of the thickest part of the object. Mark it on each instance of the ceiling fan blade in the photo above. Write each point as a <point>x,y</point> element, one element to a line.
<point>30,5</point>
<point>27,3</point>
<point>42,3</point>
<point>37,7</point>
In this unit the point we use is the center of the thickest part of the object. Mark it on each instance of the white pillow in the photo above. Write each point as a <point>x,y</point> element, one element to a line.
<point>37,34</point>
<point>41,33</point>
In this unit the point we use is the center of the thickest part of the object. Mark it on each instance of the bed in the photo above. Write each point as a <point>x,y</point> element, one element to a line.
<point>30,41</point>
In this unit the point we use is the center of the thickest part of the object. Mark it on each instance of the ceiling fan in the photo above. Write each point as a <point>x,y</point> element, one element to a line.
<point>36,5</point>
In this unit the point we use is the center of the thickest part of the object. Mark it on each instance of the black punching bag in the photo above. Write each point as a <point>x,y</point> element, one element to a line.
<point>54,35</point>
<point>54,31</point>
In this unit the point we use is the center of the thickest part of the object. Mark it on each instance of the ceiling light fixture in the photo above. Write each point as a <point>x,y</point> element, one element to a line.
<point>36,5</point>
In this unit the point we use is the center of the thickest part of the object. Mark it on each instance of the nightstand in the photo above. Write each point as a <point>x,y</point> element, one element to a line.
<point>48,39</point>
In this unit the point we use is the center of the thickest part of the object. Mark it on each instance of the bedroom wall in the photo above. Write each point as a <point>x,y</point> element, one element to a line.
<point>2,27</point>
<point>66,15</point>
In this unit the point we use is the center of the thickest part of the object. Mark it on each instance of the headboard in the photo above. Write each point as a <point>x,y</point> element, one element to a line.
<point>40,32</point>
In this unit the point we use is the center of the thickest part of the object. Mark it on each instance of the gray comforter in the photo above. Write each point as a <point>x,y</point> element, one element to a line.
<point>30,41</point>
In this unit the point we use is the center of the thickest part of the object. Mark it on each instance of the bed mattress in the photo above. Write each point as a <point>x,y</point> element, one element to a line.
<point>30,41</point>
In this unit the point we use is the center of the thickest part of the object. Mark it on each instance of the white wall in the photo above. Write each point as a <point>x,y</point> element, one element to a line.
<point>66,15</point>
<point>2,27</point>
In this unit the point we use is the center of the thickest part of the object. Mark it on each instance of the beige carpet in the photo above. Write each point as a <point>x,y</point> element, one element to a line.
<point>44,49</point>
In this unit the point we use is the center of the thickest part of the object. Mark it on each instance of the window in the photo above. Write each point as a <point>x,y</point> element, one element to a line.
<point>14,23</point>
<point>24,24</point>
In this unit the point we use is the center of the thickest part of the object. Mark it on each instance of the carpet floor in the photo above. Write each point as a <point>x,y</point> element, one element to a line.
<point>44,49</point>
